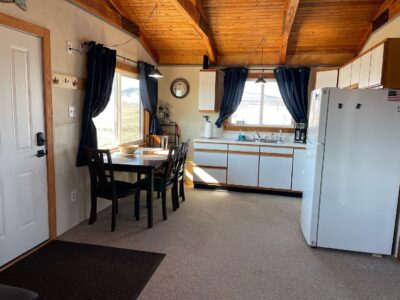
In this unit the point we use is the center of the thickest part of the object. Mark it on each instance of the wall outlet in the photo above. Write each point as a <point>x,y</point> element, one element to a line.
<point>69,47</point>
<point>72,111</point>
<point>74,196</point>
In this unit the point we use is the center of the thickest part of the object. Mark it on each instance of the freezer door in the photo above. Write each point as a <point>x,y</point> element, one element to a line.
<point>361,173</point>
<point>311,194</point>
<point>317,117</point>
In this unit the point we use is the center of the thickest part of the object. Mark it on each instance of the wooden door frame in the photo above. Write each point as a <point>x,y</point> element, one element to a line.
<point>44,35</point>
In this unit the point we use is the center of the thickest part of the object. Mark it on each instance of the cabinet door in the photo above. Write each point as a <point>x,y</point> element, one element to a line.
<point>299,164</point>
<point>355,73</point>
<point>207,89</point>
<point>375,76</point>
<point>344,76</point>
<point>209,175</point>
<point>326,79</point>
<point>275,172</point>
<point>243,169</point>
<point>365,65</point>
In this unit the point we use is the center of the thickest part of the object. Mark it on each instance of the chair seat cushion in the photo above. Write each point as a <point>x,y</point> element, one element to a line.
<point>123,189</point>
<point>15,293</point>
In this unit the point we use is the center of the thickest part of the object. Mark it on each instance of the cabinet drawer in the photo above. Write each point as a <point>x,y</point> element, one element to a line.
<point>209,175</point>
<point>213,159</point>
<point>210,146</point>
<point>275,172</point>
<point>244,148</point>
<point>276,150</point>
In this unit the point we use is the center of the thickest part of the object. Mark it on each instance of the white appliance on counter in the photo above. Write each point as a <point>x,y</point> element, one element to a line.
<point>352,171</point>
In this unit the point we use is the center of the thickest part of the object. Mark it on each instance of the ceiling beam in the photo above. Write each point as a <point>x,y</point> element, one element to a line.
<point>394,8</point>
<point>290,14</point>
<point>193,13</point>
<point>109,12</point>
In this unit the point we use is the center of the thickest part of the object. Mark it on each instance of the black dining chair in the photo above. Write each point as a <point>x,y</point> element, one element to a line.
<point>181,169</point>
<point>103,184</point>
<point>164,179</point>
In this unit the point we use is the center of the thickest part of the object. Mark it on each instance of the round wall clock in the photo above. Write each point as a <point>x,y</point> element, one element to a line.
<point>180,88</point>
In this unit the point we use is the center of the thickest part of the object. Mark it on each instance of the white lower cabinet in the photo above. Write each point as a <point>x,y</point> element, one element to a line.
<point>299,165</point>
<point>243,169</point>
<point>275,172</point>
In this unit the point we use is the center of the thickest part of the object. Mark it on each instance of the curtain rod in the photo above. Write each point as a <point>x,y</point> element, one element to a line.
<point>120,56</point>
<point>128,59</point>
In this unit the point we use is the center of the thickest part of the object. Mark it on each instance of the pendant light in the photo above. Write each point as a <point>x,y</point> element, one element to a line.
<point>156,72</point>
<point>260,79</point>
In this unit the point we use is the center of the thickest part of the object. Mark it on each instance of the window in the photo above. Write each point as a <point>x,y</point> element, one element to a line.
<point>262,105</point>
<point>122,120</point>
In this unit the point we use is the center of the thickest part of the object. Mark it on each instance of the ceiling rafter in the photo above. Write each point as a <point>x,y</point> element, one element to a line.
<point>290,14</point>
<point>394,8</point>
<point>111,13</point>
<point>195,16</point>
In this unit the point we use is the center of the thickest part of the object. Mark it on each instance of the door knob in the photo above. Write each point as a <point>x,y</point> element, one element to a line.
<point>41,153</point>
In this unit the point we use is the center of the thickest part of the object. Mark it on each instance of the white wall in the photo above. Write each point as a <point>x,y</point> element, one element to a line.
<point>67,22</point>
<point>390,30</point>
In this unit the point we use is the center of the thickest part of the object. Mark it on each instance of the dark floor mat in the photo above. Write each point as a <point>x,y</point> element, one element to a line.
<point>65,270</point>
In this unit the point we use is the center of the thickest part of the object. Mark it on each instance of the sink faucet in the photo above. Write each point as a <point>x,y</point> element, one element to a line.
<point>258,134</point>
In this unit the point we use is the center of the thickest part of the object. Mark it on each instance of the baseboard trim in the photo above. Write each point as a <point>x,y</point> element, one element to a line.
<point>248,190</point>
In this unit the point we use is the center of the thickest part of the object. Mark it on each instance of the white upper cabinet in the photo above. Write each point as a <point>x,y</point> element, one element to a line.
<point>375,76</point>
<point>355,73</point>
<point>210,90</point>
<point>365,65</point>
<point>375,68</point>
<point>345,76</point>
<point>326,79</point>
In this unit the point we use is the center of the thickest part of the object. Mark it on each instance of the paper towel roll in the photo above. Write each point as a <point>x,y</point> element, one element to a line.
<point>208,130</point>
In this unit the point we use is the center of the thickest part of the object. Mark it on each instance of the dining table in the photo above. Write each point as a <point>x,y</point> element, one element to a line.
<point>143,162</point>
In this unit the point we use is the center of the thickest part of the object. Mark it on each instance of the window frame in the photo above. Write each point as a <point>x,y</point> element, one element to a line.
<point>228,126</point>
<point>132,72</point>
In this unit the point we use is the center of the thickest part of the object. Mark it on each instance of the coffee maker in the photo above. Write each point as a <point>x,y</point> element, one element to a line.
<point>300,133</point>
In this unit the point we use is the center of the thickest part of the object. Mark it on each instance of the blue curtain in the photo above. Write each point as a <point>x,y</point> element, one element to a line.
<point>149,95</point>
<point>234,81</point>
<point>293,85</point>
<point>100,75</point>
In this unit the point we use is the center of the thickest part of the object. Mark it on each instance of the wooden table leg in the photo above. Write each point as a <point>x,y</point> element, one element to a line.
<point>150,190</point>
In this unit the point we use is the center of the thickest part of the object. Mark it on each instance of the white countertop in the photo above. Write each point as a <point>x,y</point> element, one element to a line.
<point>234,141</point>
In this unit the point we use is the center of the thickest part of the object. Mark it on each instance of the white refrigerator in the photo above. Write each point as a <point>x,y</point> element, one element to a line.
<point>353,171</point>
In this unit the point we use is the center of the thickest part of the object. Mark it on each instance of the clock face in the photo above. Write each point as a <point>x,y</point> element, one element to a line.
<point>180,88</point>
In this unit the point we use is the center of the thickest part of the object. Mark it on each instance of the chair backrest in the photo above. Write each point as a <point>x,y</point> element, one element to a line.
<point>184,150</point>
<point>100,167</point>
<point>172,163</point>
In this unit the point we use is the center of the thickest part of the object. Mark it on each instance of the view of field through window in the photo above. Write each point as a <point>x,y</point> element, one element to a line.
<point>122,120</point>
<point>262,105</point>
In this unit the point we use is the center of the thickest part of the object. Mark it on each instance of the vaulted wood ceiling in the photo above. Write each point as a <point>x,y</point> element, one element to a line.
<point>230,32</point>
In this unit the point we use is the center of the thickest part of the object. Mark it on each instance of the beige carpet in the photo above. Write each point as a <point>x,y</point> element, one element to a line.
<point>226,245</point>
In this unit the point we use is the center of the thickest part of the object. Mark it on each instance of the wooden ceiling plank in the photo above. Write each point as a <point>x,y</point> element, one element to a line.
<point>102,10</point>
<point>394,8</point>
<point>290,14</point>
<point>193,13</point>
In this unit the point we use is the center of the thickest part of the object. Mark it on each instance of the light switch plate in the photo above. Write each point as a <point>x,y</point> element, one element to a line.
<point>72,111</point>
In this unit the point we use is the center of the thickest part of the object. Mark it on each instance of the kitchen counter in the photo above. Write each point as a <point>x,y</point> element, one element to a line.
<point>234,141</point>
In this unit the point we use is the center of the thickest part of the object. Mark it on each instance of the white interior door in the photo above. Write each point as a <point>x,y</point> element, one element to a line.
<point>23,178</point>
